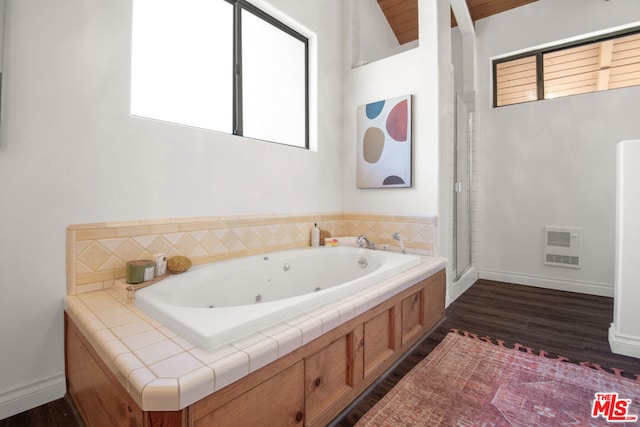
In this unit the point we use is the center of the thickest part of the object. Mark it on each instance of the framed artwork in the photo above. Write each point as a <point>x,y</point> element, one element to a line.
<point>384,144</point>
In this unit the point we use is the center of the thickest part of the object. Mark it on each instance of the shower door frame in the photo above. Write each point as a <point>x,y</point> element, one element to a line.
<point>460,187</point>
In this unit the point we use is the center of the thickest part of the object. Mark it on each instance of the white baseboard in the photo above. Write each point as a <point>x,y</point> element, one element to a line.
<point>591,288</point>
<point>31,395</point>
<point>624,344</point>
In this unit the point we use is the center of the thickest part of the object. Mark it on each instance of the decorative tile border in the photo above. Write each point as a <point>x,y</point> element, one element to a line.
<point>97,253</point>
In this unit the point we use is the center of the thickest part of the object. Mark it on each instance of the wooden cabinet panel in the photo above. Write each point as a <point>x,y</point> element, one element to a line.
<point>434,299</point>
<point>100,398</point>
<point>378,340</point>
<point>412,315</point>
<point>328,377</point>
<point>279,401</point>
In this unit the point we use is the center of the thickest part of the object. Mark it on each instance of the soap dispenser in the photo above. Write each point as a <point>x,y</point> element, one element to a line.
<point>315,235</point>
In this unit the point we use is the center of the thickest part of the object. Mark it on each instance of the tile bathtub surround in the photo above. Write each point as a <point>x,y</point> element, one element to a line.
<point>162,371</point>
<point>97,253</point>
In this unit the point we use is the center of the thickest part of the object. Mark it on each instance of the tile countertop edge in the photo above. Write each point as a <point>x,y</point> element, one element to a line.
<point>141,378</point>
<point>154,393</point>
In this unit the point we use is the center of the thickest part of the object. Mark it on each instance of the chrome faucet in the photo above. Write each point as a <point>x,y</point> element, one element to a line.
<point>363,242</point>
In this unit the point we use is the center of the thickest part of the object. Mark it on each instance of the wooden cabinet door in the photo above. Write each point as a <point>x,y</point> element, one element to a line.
<point>379,340</point>
<point>328,377</point>
<point>279,401</point>
<point>412,316</point>
<point>434,299</point>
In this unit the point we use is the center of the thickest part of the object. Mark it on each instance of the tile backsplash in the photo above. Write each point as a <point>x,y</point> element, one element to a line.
<point>97,253</point>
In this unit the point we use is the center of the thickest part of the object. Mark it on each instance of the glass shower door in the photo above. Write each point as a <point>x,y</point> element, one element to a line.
<point>462,189</point>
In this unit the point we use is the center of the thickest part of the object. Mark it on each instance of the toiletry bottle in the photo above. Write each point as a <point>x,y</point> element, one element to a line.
<point>315,235</point>
<point>161,264</point>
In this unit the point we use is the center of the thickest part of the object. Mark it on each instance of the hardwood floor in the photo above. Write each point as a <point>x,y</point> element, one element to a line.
<point>59,413</point>
<point>569,324</point>
<point>565,323</point>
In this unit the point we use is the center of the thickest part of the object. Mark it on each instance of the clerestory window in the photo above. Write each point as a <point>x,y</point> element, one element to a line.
<point>222,65</point>
<point>608,62</point>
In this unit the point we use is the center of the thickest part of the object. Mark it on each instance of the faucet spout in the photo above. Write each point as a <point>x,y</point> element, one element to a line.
<point>396,236</point>
<point>363,242</point>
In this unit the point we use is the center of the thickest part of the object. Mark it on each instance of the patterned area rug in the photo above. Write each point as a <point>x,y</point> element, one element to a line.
<point>467,382</point>
<point>517,346</point>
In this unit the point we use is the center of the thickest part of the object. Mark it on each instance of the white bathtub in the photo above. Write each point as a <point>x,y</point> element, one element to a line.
<point>217,303</point>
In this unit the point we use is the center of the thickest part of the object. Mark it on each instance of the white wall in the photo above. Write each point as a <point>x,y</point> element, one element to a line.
<point>371,35</point>
<point>551,162</point>
<point>423,72</point>
<point>70,153</point>
<point>624,333</point>
<point>412,72</point>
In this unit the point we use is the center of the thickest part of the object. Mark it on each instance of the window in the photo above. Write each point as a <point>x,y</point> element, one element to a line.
<point>609,62</point>
<point>222,65</point>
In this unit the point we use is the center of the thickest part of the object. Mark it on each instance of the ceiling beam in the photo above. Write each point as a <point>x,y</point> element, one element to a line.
<point>462,17</point>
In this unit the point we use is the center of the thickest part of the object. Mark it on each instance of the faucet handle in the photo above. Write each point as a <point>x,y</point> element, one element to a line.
<point>363,242</point>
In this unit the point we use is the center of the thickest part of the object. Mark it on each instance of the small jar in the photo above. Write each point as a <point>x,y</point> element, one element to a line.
<point>139,271</point>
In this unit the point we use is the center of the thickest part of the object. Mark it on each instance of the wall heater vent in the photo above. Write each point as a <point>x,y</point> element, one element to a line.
<point>562,246</point>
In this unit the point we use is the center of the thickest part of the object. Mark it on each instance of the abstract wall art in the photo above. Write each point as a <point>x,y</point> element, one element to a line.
<point>384,144</point>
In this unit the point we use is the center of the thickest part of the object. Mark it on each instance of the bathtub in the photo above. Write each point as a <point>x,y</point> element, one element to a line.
<point>218,303</point>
